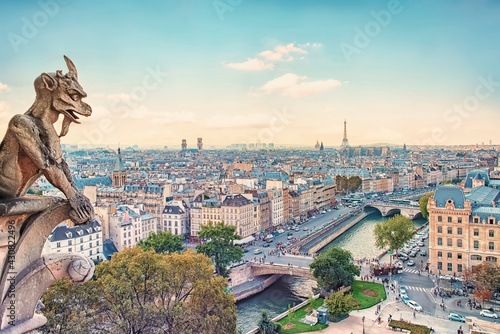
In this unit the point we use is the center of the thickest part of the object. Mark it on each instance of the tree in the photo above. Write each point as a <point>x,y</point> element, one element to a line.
<point>341,183</point>
<point>219,246</point>
<point>468,276</point>
<point>482,294</point>
<point>488,275</point>
<point>334,268</point>
<point>140,292</point>
<point>338,303</point>
<point>422,202</point>
<point>290,314</point>
<point>394,232</point>
<point>266,325</point>
<point>353,183</point>
<point>163,242</point>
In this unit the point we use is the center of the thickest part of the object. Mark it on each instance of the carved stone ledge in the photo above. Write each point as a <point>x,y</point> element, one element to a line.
<point>26,274</point>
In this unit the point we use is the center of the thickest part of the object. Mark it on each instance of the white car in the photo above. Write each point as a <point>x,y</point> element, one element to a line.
<point>488,314</point>
<point>414,305</point>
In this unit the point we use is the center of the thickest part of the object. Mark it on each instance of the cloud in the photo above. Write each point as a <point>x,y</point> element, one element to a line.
<point>119,97</point>
<point>4,87</point>
<point>252,64</point>
<point>295,86</point>
<point>281,52</point>
<point>161,117</point>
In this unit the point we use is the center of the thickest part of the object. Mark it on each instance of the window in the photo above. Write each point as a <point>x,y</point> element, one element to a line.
<point>440,265</point>
<point>491,246</point>
<point>459,231</point>
<point>459,268</point>
<point>476,220</point>
<point>81,247</point>
<point>476,244</point>
<point>491,259</point>
<point>90,252</point>
<point>450,266</point>
<point>449,219</point>
<point>81,240</point>
<point>58,245</point>
<point>70,250</point>
<point>90,244</point>
<point>450,230</point>
<point>491,233</point>
<point>491,221</point>
<point>97,243</point>
<point>440,254</point>
<point>476,258</point>
<point>440,219</point>
<point>440,229</point>
<point>450,255</point>
<point>440,241</point>
<point>70,242</point>
<point>460,220</point>
<point>449,242</point>
<point>476,232</point>
<point>459,243</point>
<point>459,256</point>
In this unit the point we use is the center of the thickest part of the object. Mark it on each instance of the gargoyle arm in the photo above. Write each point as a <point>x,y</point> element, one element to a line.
<point>26,133</point>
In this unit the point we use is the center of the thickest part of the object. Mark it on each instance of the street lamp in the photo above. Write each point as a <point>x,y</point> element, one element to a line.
<point>363,321</point>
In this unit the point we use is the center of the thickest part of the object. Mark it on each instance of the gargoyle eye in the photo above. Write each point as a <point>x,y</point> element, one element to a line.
<point>75,97</point>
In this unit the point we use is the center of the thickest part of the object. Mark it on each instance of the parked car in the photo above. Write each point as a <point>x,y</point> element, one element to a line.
<point>414,305</point>
<point>410,263</point>
<point>289,233</point>
<point>257,251</point>
<point>413,254</point>
<point>423,253</point>
<point>306,228</point>
<point>421,244</point>
<point>488,314</point>
<point>456,317</point>
<point>405,299</point>
<point>402,289</point>
<point>290,237</point>
<point>266,245</point>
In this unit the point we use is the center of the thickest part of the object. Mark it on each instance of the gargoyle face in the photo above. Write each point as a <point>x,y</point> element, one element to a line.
<point>67,95</point>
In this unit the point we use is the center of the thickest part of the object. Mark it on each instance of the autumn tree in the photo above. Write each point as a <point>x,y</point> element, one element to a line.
<point>487,274</point>
<point>422,202</point>
<point>341,183</point>
<point>353,183</point>
<point>220,245</point>
<point>334,268</point>
<point>339,303</point>
<point>143,292</point>
<point>483,294</point>
<point>394,232</point>
<point>162,242</point>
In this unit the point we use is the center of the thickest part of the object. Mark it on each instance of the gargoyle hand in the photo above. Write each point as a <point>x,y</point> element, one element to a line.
<point>81,210</point>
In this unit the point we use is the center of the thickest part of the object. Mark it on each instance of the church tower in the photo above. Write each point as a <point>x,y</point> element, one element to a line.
<point>119,175</point>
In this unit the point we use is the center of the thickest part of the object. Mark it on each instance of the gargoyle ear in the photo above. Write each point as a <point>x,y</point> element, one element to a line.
<point>49,82</point>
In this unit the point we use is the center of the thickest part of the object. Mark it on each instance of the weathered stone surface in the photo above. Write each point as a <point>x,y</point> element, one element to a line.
<point>31,148</point>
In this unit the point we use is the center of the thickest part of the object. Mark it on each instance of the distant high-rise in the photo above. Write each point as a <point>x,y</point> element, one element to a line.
<point>184,144</point>
<point>316,147</point>
<point>321,148</point>
<point>345,142</point>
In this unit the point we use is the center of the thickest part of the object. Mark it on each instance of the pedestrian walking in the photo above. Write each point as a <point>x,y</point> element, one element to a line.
<point>414,314</point>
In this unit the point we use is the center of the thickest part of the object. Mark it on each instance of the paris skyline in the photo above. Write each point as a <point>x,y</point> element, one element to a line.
<point>243,72</point>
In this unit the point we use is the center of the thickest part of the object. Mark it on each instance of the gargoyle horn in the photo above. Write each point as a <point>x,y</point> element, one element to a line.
<point>71,67</point>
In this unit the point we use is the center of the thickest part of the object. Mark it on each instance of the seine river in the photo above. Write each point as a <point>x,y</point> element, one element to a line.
<point>290,290</point>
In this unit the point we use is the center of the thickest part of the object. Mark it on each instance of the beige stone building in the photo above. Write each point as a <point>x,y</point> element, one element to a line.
<point>464,229</point>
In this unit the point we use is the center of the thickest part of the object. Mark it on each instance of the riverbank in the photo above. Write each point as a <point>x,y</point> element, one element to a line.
<point>250,288</point>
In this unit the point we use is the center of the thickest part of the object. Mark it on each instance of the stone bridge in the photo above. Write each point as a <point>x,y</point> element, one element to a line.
<point>390,209</point>
<point>246,272</point>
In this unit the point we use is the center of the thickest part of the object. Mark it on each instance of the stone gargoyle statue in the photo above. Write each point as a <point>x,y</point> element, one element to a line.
<point>31,148</point>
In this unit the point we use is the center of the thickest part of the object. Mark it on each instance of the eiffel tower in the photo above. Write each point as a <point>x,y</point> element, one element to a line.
<point>345,142</point>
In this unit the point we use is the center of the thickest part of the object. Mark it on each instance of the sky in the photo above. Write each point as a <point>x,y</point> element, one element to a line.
<point>246,71</point>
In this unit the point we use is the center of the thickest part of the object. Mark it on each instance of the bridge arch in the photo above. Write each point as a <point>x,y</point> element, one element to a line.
<point>259,269</point>
<point>392,212</point>
<point>369,208</point>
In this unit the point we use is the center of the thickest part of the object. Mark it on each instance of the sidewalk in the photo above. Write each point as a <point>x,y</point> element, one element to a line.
<point>398,310</point>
